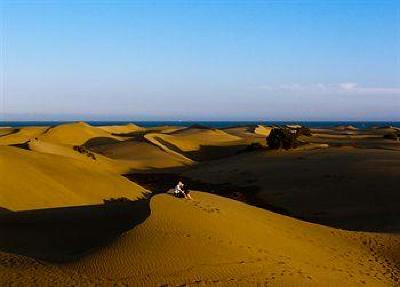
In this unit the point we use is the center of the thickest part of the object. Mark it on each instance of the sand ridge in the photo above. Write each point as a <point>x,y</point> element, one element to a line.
<point>74,133</point>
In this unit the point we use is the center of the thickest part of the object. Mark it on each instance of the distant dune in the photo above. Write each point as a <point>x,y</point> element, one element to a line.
<point>74,133</point>
<point>199,143</point>
<point>21,135</point>
<point>262,130</point>
<point>125,129</point>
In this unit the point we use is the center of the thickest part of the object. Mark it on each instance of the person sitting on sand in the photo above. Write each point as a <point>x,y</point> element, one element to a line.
<point>179,192</point>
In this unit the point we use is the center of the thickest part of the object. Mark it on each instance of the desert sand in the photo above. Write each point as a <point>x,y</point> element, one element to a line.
<point>90,206</point>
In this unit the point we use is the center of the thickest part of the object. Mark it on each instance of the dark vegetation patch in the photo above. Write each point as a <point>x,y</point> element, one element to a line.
<point>392,136</point>
<point>282,138</point>
<point>303,131</point>
<point>254,147</point>
<point>163,182</point>
<point>286,138</point>
<point>82,149</point>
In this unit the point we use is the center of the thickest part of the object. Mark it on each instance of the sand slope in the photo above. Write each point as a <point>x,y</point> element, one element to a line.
<point>198,144</point>
<point>31,180</point>
<point>140,155</point>
<point>192,139</point>
<point>74,133</point>
<point>346,187</point>
<point>213,241</point>
<point>21,135</point>
<point>262,130</point>
<point>122,129</point>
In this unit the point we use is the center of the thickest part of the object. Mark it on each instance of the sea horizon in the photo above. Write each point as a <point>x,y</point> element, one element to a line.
<point>212,124</point>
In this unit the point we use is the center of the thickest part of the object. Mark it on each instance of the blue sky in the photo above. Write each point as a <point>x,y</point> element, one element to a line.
<point>200,60</point>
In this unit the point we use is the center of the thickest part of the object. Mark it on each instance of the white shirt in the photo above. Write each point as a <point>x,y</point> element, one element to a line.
<point>178,189</point>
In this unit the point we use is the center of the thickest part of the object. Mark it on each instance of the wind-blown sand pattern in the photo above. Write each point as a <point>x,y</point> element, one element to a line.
<point>68,216</point>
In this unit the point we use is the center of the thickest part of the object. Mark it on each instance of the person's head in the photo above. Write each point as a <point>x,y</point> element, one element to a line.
<point>180,183</point>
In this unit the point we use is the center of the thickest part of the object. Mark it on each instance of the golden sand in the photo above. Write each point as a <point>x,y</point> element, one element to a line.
<point>343,177</point>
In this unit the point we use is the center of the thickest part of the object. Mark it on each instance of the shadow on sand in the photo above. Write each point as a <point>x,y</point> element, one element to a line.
<point>68,233</point>
<point>160,182</point>
<point>207,152</point>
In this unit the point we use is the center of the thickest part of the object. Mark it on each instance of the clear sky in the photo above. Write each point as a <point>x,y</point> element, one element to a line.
<point>200,60</point>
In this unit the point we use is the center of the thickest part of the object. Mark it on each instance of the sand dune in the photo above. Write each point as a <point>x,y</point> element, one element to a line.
<point>32,180</point>
<point>122,129</point>
<point>262,130</point>
<point>74,133</point>
<point>7,130</point>
<point>140,154</point>
<point>346,187</point>
<point>345,128</point>
<point>199,144</point>
<point>21,135</point>
<point>220,242</point>
<point>58,192</point>
<point>91,159</point>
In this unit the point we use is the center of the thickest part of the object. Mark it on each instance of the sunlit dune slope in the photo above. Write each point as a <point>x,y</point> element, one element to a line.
<point>92,160</point>
<point>139,154</point>
<point>215,241</point>
<point>262,130</point>
<point>198,144</point>
<point>31,180</point>
<point>21,135</point>
<point>122,129</point>
<point>74,134</point>
<point>345,128</point>
<point>191,138</point>
<point>218,240</point>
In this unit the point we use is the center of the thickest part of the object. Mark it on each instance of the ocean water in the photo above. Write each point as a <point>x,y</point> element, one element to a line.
<point>213,124</point>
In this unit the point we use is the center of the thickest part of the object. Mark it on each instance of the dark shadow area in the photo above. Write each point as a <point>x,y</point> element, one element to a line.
<point>386,222</point>
<point>24,145</point>
<point>13,131</point>
<point>4,210</point>
<point>98,141</point>
<point>248,128</point>
<point>68,233</point>
<point>162,182</point>
<point>329,200</point>
<point>136,135</point>
<point>207,152</point>
<point>192,127</point>
<point>210,152</point>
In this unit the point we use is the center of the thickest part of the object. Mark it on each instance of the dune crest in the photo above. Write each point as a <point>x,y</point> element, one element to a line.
<point>122,129</point>
<point>74,133</point>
